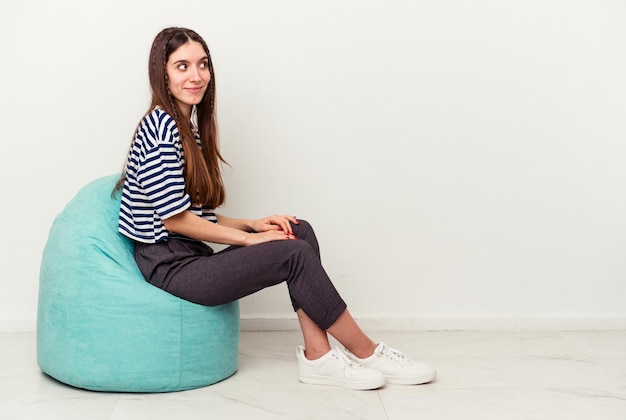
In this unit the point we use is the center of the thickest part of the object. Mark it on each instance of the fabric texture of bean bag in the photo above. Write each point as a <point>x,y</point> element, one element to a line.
<point>101,326</point>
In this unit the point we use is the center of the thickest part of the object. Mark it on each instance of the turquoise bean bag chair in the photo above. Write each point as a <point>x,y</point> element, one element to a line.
<point>102,327</point>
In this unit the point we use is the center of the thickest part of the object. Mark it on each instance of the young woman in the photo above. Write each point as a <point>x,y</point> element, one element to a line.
<point>171,185</point>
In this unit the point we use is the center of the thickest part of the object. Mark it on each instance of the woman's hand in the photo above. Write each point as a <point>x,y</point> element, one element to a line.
<point>272,228</point>
<point>274,223</point>
<point>268,236</point>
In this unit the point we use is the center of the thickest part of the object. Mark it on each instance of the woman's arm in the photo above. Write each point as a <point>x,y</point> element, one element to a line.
<point>192,226</point>
<point>273,222</point>
<point>240,224</point>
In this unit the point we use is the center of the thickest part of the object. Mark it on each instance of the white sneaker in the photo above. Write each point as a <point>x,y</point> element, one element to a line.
<point>335,368</point>
<point>398,369</point>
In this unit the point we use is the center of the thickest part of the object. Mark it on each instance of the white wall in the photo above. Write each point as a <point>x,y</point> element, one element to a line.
<point>461,160</point>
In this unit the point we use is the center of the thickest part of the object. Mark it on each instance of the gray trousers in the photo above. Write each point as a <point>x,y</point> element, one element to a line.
<point>192,271</point>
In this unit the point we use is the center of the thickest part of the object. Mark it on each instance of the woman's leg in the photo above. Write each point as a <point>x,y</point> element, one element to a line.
<point>348,333</point>
<point>345,330</point>
<point>187,270</point>
<point>316,342</point>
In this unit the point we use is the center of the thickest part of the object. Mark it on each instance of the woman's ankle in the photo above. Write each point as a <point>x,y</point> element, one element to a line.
<point>314,354</point>
<point>363,352</point>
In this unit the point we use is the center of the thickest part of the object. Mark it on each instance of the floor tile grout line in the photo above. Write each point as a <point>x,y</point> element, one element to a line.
<point>382,403</point>
<point>117,400</point>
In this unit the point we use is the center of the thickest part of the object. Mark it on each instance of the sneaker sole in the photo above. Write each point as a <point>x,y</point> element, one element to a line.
<point>327,380</point>
<point>416,380</point>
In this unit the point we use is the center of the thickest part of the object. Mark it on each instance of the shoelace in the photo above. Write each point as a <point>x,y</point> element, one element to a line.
<point>340,355</point>
<point>393,354</point>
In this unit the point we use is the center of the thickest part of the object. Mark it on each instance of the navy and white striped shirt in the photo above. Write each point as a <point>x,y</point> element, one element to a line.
<point>154,188</point>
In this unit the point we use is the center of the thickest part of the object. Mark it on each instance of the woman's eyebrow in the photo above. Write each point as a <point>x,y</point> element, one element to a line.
<point>184,61</point>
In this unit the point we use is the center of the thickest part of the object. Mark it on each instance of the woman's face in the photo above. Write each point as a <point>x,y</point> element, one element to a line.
<point>188,74</point>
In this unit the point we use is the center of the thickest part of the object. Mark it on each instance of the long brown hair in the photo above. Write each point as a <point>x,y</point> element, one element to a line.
<point>203,176</point>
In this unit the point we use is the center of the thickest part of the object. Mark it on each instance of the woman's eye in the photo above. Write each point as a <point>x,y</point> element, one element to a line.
<point>204,64</point>
<point>182,67</point>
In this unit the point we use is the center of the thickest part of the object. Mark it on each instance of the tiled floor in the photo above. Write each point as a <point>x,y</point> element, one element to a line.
<point>482,375</point>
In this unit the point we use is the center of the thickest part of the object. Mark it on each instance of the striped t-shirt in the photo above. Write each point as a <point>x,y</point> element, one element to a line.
<point>154,188</point>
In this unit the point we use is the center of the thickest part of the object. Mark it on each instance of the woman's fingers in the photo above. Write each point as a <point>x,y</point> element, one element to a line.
<point>276,223</point>
<point>269,236</point>
<point>284,222</point>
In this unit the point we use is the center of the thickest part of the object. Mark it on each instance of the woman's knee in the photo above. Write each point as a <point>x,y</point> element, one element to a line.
<point>299,256</point>
<point>300,247</point>
<point>302,225</point>
<point>304,231</point>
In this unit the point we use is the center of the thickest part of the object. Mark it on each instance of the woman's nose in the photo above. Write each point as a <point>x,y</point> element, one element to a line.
<point>194,74</point>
